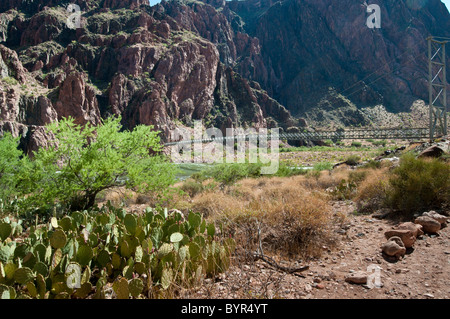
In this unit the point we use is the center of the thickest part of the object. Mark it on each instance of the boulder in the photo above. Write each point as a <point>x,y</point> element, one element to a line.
<point>438,217</point>
<point>432,151</point>
<point>407,236</point>
<point>415,228</point>
<point>394,247</point>
<point>358,277</point>
<point>430,225</point>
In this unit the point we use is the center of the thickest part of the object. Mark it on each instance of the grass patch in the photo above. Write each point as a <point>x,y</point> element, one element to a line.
<point>229,173</point>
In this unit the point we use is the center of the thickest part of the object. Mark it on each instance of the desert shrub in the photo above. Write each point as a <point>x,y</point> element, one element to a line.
<point>372,191</point>
<point>357,176</point>
<point>229,173</point>
<point>288,169</point>
<point>344,190</point>
<point>293,218</point>
<point>192,187</point>
<point>356,144</point>
<point>372,164</point>
<point>419,184</point>
<point>352,160</point>
<point>10,80</point>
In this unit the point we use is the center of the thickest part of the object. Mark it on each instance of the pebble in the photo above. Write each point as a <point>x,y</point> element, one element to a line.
<point>428,295</point>
<point>319,286</point>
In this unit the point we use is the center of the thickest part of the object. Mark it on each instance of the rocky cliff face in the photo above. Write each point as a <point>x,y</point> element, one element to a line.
<point>309,46</point>
<point>226,63</point>
<point>163,66</point>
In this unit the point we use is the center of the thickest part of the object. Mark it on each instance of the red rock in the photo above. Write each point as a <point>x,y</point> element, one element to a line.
<point>407,236</point>
<point>430,225</point>
<point>415,228</point>
<point>394,247</point>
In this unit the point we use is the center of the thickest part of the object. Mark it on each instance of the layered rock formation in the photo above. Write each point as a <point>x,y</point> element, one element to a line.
<point>161,66</point>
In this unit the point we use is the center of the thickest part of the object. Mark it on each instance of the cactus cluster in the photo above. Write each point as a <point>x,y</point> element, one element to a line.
<point>83,253</point>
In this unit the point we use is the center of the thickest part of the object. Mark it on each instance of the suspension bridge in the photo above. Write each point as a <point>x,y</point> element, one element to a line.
<point>388,133</point>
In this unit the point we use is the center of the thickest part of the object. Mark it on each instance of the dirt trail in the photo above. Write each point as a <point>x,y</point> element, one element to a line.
<point>424,272</point>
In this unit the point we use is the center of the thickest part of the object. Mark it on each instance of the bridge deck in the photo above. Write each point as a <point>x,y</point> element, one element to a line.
<point>389,133</point>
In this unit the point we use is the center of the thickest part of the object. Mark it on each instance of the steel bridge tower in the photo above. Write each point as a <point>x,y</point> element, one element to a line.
<point>437,86</point>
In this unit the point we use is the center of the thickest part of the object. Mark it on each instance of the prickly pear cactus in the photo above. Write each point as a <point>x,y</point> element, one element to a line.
<point>138,253</point>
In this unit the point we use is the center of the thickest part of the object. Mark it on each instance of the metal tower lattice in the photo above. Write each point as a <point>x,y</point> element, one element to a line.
<point>437,87</point>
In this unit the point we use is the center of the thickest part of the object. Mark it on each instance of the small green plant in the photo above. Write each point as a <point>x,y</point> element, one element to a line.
<point>380,143</point>
<point>192,187</point>
<point>372,164</point>
<point>353,160</point>
<point>356,144</point>
<point>323,166</point>
<point>10,80</point>
<point>344,190</point>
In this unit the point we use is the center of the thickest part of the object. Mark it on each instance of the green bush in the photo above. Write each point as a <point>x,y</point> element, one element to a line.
<point>380,143</point>
<point>352,160</point>
<point>143,255</point>
<point>372,164</point>
<point>192,187</point>
<point>229,173</point>
<point>419,184</point>
<point>356,144</point>
<point>81,161</point>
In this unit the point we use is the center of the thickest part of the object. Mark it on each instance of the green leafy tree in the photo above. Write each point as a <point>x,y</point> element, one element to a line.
<point>12,161</point>
<point>82,161</point>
